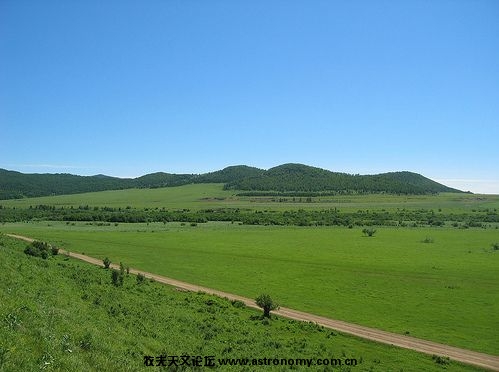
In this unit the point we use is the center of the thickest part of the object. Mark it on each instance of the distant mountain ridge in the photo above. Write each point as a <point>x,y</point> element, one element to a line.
<point>283,178</point>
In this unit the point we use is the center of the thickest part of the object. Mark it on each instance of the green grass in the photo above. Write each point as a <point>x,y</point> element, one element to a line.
<point>202,196</point>
<point>188,196</point>
<point>63,315</point>
<point>444,291</point>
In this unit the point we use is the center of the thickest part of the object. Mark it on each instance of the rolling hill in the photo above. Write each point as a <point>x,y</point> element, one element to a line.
<point>303,178</point>
<point>283,178</point>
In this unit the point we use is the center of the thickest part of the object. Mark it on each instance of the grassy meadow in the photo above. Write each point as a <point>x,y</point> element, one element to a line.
<point>203,196</point>
<point>444,289</point>
<point>60,314</point>
<point>435,283</point>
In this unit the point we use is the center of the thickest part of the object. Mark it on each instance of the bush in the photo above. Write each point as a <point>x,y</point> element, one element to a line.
<point>117,278</point>
<point>238,304</point>
<point>38,249</point>
<point>441,360</point>
<point>369,232</point>
<point>106,261</point>
<point>55,251</point>
<point>495,246</point>
<point>141,278</point>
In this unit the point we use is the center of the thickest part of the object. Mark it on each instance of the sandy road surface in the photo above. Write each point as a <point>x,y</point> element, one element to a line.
<point>462,355</point>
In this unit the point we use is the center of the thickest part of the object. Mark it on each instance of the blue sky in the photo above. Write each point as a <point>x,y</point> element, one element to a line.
<point>127,88</point>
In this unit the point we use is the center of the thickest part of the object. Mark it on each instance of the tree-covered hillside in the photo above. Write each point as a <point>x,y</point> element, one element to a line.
<point>230,174</point>
<point>296,178</point>
<point>161,179</point>
<point>19,185</point>
<point>303,178</point>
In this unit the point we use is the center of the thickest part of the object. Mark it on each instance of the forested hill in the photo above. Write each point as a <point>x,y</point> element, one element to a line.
<point>19,185</point>
<point>303,178</point>
<point>284,178</point>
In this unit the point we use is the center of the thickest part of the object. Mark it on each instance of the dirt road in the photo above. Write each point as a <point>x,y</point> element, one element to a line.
<point>462,355</point>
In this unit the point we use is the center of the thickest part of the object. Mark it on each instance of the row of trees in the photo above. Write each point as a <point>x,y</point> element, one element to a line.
<point>301,217</point>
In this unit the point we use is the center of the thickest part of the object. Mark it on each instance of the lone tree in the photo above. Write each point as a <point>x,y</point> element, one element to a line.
<point>267,304</point>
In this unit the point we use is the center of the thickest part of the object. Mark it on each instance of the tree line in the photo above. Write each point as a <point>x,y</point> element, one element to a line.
<point>300,217</point>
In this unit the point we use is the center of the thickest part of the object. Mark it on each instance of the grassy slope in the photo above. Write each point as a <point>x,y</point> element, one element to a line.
<point>444,291</point>
<point>201,196</point>
<point>64,315</point>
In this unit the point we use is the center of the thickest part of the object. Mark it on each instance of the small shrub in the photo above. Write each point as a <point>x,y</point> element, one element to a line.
<point>106,261</point>
<point>369,232</point>
<point>141,278</point>
<point>427,240</point>
<point>441,360</point>
<point>38,249</point>
<point>495,246</point>
<point>116,278</point>
<point>55,251</point>
<point>238,304</point>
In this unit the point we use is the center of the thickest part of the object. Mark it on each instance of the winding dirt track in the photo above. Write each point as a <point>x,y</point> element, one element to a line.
<point>462,355</point>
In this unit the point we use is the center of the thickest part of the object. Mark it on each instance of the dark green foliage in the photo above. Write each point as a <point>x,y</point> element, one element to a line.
<point>230,174</point>
<point>369,232</point>
<point>160,179</point>
<point>284,178</point>
<point>301,217</point>
<point>441,360</point>
<point>19,185</point>
<point>428,240</point>
<point>106,261</point>
<point>303,178</point>
<point>39,249</point>
<point>495,246</point>
<point>116,278</point>
<point>141,278</point>
<point>238,304</point>
<point>267,304</point>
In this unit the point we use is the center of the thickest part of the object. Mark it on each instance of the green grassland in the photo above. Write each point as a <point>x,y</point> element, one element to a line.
<point>60,315</point>
<point>445,290</point>
<point>202,196</point>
